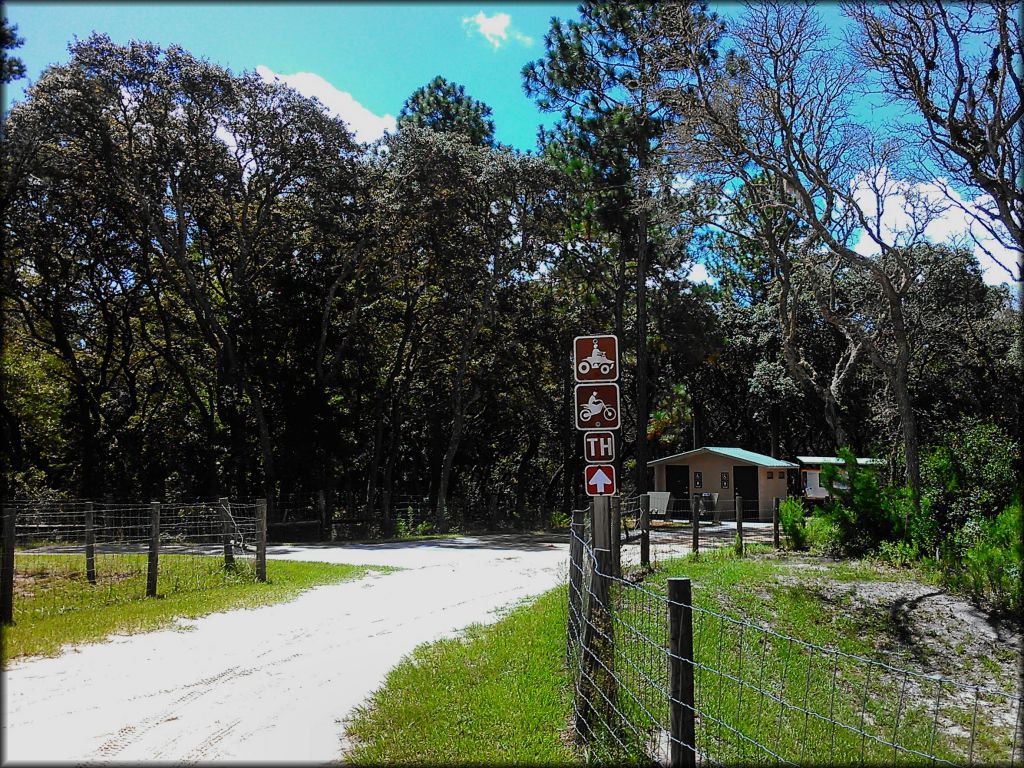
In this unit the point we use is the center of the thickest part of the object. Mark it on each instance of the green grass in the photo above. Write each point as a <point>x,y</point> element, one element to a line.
<point>498,695</point>
<point>747,670</point>
<point>55,606</point>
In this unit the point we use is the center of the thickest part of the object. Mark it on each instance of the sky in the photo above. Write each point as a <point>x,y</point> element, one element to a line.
<point>362,60</point>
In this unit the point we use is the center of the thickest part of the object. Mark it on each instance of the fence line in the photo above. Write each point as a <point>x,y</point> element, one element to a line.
<point>660,675</point>
<point>60,557</point>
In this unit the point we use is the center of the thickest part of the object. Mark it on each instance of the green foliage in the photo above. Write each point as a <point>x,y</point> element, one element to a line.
<point>11,67</point>
<point>444,106</point>
<point>863,512</point>
<point>822,536</point>
<point>792,521</point>
<point>992,563</point>
<point>900,554</point>
<point>967,477</point>
<point>406,528</point>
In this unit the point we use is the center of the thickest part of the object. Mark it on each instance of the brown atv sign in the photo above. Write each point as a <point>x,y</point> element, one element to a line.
<point>595,358</point>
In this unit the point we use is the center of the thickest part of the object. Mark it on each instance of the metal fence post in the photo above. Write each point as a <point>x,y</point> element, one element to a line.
<point>10,514</point>
<point>261,539</point>
<point>739,525</point>
<point>90,544</point>
<point>698,507</point>
<point>775,522</point>
<point>645,529</point>
<point>154,548</point>
<point>682,709</point>
<point>225,517</point>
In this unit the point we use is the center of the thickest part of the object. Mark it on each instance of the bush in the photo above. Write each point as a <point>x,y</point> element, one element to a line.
<point>822,536</point>
<point>898,553</point>
<point>791,519</point>
<point>992,564</point>
<point>968,476</point>
<point>863,513</point>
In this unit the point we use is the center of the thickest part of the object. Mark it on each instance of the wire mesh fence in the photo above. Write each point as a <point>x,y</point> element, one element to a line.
<point>660,676</point>
<point>70,556</point>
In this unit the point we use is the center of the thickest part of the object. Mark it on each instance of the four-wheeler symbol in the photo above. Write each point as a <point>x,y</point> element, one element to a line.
<point>597,359</point>
<point>596,406</point>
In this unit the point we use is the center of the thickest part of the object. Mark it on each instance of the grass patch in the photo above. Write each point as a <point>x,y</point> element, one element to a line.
<point>55,605</point>
<point>497,695</point>
<point>758,691</point>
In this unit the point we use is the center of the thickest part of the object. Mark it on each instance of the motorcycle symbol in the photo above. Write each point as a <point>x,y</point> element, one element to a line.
<point>596,407</point>
<point>597,359</point>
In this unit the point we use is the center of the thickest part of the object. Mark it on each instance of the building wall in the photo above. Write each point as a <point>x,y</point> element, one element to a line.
<point>711,466</point>
<point>769,490</point>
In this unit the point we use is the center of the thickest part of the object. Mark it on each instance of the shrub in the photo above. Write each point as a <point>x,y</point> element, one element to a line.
<point>992,564</point>
<point>822,536</point>
<point>898,553</point>
<point>791,519</point>
<point>965,477</point>
<point>863,513</point>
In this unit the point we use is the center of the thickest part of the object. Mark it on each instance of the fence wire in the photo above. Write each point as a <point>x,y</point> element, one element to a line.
<point>760,696</point>
<point>201,545</point>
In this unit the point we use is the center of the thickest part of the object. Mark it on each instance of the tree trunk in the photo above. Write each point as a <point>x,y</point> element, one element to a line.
<point>522,474</point>
<point>459,407</point>
<point>641,350</point>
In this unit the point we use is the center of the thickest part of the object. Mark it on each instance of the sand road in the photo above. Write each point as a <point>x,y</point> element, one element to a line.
<point>272,683</point>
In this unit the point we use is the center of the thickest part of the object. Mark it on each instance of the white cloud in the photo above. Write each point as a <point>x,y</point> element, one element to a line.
<point>365,124</point>
<point>952,220</point>
<point>495,29</point>
<point>699,274</point>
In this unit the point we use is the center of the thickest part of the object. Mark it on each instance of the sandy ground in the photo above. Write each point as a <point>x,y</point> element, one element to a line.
<point>272,683</point>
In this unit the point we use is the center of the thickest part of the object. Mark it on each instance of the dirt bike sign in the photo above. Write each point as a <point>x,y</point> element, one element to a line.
<point>596,358</point>
<point>597,406</point>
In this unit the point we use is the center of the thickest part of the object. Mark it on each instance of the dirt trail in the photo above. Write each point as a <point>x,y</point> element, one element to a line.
<point>269,684</point>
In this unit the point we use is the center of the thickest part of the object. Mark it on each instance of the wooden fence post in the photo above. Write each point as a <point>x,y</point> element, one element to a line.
<point>645,529</point>
<point>10,514</point>
<point>577,532</point>
<point>739,525</point>
<point>598,647</point>
<point>326,524</point>
<point>682,709</point>
<point>154,548</point>
<point>615,525</point>
<point>225,517</point>
<point>261,539</point>
<point>698,507</point>
<point>90,544</point>
<point>775,522</point>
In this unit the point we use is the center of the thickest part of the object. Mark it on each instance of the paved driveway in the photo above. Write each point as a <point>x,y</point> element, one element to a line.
<point>272,683</point>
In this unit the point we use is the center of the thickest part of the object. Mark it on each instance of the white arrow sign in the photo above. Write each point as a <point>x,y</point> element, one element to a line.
<point>600,480</point>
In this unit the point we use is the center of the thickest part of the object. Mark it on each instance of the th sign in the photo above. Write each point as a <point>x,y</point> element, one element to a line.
<point>597,406</point>
<point>600,480</point>
<point>599,447</point>
<point>596,358</point>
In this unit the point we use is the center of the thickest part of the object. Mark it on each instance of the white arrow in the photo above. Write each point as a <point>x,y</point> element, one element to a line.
<point>600,481</point>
